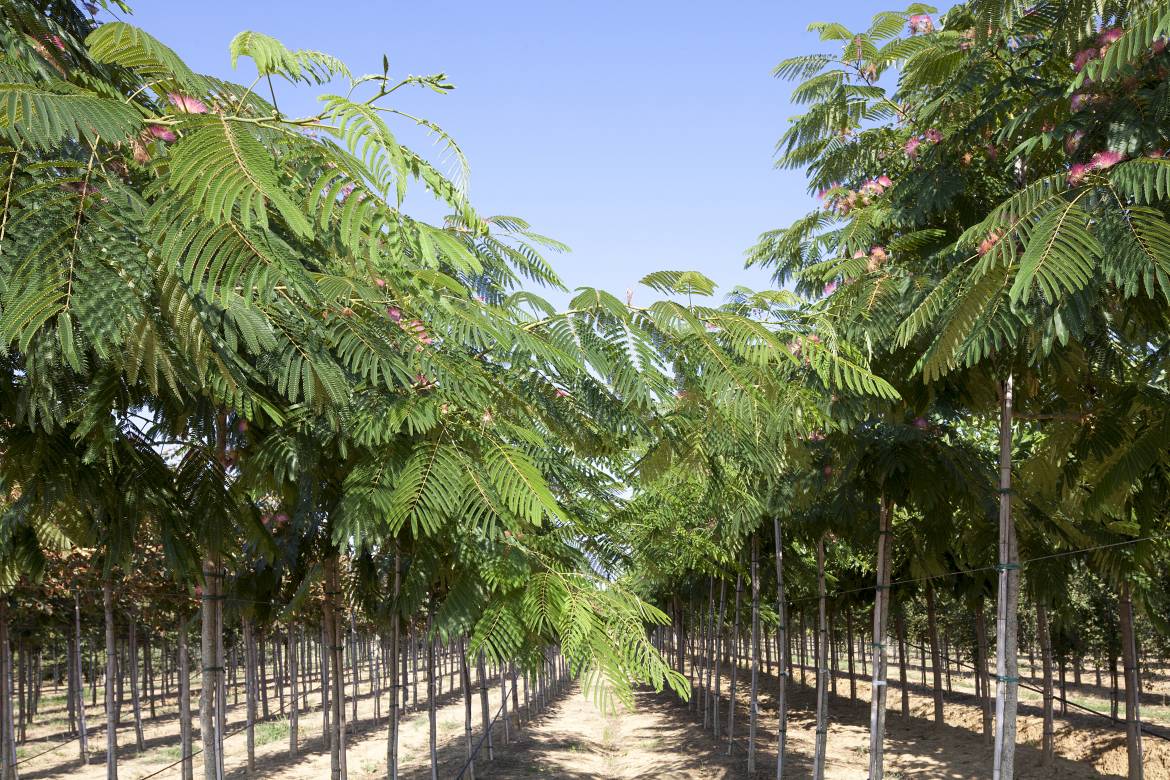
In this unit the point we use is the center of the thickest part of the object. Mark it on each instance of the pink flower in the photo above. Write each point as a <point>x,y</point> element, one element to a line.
<point>187,104</point>
<point>933,135</point>
<point>1106,159</point>
<point>347,190</point>
<point>885,181</point>
<point>1083,58</point>
<point>860,253</point>
<point>487,416</point>
<point>827,471</point>
<point>1073,141</point>
<point>920,423</point>
<point>1156,154</point>
<point>987,244</point>
<point>921,23</point>
<point>242,426</point>
<point>380,283</point>
<point>911,147</point>
<point>161,133</point>
<point>56,41</point>
<point>1159,46</point>
<point>830,288</point>
<point>1107,37</point>
<point>394,313</point>
<point>1078,102</point>
<point>561,393</point>
<point>1077,172</point>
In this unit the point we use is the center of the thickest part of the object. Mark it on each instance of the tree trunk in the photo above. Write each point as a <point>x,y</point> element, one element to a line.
<point>324,666</point>
<point>1007,603</point>
<point>468,731</point>
<point>135,700</point>
<point>935,655</point>
<point>395,673</point>
<point>483,706</point>
<point>431,713</point>
<point>900,630</point>
<point>881,609</point>
<point>1133,719</point>
<point>708,644</point>
<point>111,676</point>
<point>7,724</point>
<point>734,664</point>
<point>782,649</point>
<point>1113,691</point>
<point>250,691</point>
<point>294,714</point>
<point>185,753</point>
<point>822,667</point>
<point>260,658</point>
<point>754,711</point>
<point>981,661</point>
<point>333,636</point>
<point>207,693</point>
<point>79,692</point>
<point>719,637</point>
<point>1047,745</point>
<point>849,643</point>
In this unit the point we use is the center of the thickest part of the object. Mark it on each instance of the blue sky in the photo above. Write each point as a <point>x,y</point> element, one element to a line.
<point>640,133</point>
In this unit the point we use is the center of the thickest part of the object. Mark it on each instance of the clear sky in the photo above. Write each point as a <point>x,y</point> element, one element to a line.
<point>640,133</point>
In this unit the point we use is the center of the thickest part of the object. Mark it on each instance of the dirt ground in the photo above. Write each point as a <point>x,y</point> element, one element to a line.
<point>662,737</point>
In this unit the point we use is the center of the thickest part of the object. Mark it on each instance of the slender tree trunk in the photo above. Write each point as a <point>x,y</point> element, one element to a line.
<point>1113,690</point>
<point>900,630</point>
<point>1007,603</point>
<point>483,705</point>
<point>881,608</point>
<point>468,730</point>
<point>294,714</point>
<point>754,711</point>
<point>337,668</point>
<point>981,645</point>
<point>353,665</point>
<point>260,658</point>
<point>323,665</point>
<point>431,713</point>
<point>734,664</point>
<point>708,644</point>
<point>250,691</point>
<point>719,637</point>
<point>1047,745</point>
<point>849,643</point>
<point>82,729</point>
<point>935,655</point>
<point>208,695</point>
<point>111,676</point>
<point>186,756</point>
<point>1133,719</point>
<point>395,674</point>
<point>505,715</point>
<point>822,668</point>
<point>136,702</point>
<point>7,724</point>
<point>782,649</point>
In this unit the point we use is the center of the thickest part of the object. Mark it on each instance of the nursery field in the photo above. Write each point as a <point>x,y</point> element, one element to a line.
<point>311,467</point>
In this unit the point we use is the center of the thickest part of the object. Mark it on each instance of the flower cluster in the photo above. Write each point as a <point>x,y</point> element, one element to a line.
<point>863,195</point>
<point>921,24</point>
<point>1099,162</point>
<point>877,257</point>
<point>931,136</point>
<point>187,104</point>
